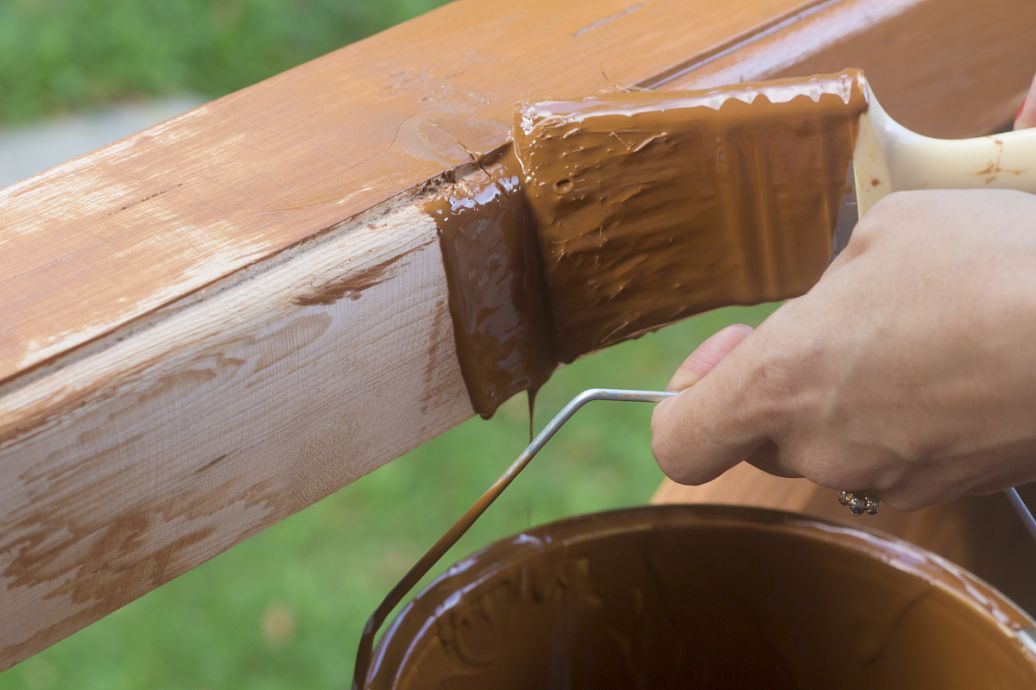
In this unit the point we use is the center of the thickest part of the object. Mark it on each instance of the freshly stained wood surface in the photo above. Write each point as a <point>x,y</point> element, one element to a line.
<point>214,323</point>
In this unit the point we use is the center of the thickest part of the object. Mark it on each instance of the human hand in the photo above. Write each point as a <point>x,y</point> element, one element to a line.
<point>908,370</point>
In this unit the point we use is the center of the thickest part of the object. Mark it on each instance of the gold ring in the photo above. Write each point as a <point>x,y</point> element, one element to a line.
<point>859,502</point>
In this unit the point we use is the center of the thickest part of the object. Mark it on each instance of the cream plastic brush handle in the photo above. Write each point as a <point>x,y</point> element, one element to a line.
<point>891,158</point>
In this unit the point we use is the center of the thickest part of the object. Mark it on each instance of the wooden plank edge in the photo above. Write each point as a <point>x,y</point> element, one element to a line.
<point>130,465</point>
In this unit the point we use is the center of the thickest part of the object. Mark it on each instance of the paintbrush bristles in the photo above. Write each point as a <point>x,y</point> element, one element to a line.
<point>654,206</point>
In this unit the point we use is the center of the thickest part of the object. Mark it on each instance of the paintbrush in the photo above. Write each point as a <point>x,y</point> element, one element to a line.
<point>616,214</point>
<point>651,206</point>
<point>888,158</point>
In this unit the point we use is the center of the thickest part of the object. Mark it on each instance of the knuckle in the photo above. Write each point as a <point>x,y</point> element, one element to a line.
<point>775,394</point>
<point>840,466</point>
<point>660,449</point>
<point>666,460</point>
<point>836,476</point>
<point>866,230</point>
<point>889,478</point>
<point>880,218</point>
<point>913,493</point>
<point>661,443</point>
<point>673,450</point>
<point>673,462</point>
<point>897,202</point>
<point>905,502</point>
<point>894,199</point>
<point>860,242</point>
<point>658,418</point>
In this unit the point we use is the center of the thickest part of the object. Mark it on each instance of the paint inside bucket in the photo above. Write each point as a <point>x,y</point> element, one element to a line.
<point>705,597</point>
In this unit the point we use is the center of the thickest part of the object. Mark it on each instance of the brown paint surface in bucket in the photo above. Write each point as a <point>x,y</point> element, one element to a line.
<point>704,597</point>
<point>614,215</point>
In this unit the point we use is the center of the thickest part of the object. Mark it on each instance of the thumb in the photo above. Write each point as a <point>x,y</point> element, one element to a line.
<point>708,355</point>
<point>711,426</point>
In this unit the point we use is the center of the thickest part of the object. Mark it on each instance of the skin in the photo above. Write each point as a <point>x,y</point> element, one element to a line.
<point>908,370</point>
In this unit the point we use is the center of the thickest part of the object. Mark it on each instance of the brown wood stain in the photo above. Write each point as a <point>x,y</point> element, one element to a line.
<point>238,180</point>
<point>497,294</point>
<point>615,215</point>
<point>231,185</point>
<point>644,208</point>
<point>351,287</point>
<point>545,252</point>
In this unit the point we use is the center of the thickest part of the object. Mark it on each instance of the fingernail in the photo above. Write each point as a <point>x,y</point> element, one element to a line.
<point>684,379</point>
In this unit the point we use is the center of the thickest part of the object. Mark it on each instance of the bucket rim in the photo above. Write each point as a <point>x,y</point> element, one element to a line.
<point>915,561</point>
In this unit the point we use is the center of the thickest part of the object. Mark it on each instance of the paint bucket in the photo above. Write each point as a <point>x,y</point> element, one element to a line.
<point>705,597</point>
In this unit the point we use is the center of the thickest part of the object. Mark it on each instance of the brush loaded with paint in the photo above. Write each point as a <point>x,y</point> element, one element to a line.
<point>653,206</point>
<point>614,215</point>
<point>610,216</point>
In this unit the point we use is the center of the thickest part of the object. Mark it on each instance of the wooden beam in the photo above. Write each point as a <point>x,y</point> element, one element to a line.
<point>218,321</point>
<point>147,221</point>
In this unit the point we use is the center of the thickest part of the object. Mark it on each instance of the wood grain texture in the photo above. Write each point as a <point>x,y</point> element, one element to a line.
<point>216,322</point>
<point>208,193</point>
<point>981,533</point>
<point>150,219</point>
<point>949,68</point>
<point>131,466</point>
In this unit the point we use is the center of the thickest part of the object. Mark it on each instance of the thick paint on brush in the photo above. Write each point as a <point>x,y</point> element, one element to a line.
<point>654,206</point>
<point>619,214</point>
<point>505,342</point>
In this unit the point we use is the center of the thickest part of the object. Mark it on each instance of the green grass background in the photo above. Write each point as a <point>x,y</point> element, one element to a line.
<point>284,609</point>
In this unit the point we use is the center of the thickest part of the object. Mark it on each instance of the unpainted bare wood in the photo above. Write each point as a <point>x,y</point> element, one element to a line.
<point>126,468</point>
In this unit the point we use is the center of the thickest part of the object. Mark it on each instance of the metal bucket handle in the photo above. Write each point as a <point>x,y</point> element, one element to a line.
<point>427,561</point>
<point>447,540</point>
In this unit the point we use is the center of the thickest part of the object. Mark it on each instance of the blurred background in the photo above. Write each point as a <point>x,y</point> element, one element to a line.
<point>285,608</point>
